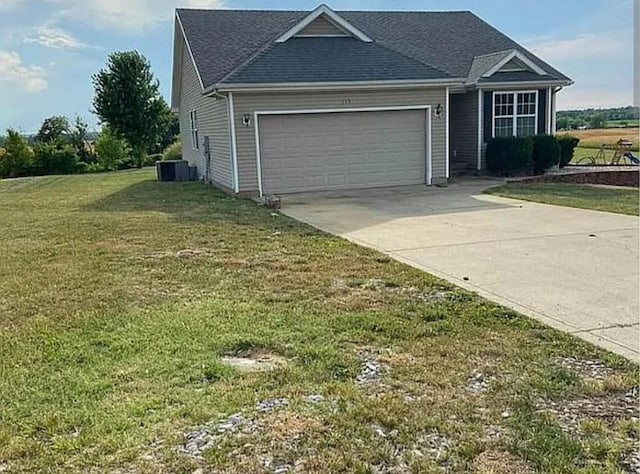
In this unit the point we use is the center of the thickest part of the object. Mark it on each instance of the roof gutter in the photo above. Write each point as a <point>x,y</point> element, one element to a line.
<point>518,84</point>
<point>321,86</point>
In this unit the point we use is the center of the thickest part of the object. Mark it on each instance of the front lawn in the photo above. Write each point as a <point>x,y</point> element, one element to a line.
<point>121,296</point>
<point>584,196</point>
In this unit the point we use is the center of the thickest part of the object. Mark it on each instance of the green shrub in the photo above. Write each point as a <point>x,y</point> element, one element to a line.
<point>113,152</point>
<point>55,158</point>
<point>17,158</point>
<point>150,160</point>
<point>509,155</point>
<point>568,145</point>
<point>173,151</point>
<point>546,152</point>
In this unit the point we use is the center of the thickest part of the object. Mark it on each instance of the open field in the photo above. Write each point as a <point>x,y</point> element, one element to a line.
<point>120,297</point>
<point>623,123</point>
<point>608,136</point>
<point>598,198</point>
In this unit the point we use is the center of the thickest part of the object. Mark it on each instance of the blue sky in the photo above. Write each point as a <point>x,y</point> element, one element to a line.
<point>50,48</point>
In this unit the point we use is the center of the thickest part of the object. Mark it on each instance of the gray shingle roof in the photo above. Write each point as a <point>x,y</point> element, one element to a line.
<point>331,60</point>
<point>482,64</point>
<point>224,40</point>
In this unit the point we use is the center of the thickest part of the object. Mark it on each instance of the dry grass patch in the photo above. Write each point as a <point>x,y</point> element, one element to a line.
<point>594,138</point>
<point>121,296</point>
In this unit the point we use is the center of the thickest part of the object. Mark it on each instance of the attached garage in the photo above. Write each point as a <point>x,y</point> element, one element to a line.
<point>334,150</point>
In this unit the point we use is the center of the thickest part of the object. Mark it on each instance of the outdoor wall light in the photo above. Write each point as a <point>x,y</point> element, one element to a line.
<point>438,111</point>
<point>246,120</point>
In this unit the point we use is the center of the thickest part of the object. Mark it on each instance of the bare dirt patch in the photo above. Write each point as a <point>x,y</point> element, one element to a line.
<point>254,361</point>
<point>500,462</point>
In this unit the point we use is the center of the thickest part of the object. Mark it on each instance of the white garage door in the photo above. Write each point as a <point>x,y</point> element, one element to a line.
<point>342,150</point>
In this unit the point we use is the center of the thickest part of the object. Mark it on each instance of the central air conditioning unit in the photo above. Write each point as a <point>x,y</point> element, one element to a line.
<point>176,170</point>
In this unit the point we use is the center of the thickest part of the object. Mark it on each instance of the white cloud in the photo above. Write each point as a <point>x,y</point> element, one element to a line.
<point>126,15</point>
<point>13,70</point>
<point>601,45</point>
<point>55,38</point>
<point>8,4</point>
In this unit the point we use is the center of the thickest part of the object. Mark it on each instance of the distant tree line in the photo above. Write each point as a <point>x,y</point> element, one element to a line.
<point>597,118</point>
<point>137,126</point>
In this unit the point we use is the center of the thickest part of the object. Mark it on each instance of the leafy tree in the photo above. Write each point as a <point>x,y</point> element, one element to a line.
<point>597,121</point>
<point>53,129</point>
<point>171,129</point>
<point>562,123</point>
<point>128,101</point>
<point>17,158</point>
<point>113,152</point>
<point>78,137</point>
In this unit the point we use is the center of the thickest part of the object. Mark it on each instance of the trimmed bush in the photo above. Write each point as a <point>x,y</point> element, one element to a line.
<point>546,153</point>
<point>150,160</point>
<point>54,158</point>
<point>509,155</point>
<point>568,145</point>
<point>173,151</point>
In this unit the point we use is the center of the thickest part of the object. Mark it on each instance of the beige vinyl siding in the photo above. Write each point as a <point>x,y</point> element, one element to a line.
<point>220,170</point>
<point>463,132</point>
<point>319,27</point>
<point>212,122</point>
<point>247,103</point>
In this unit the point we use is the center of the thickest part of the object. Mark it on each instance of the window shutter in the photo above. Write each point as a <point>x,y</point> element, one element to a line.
<point>542,111</point>
<point>487,119</point>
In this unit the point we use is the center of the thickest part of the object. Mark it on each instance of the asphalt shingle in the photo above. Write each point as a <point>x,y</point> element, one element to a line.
<point>230,43</point>
<point>331,60</point>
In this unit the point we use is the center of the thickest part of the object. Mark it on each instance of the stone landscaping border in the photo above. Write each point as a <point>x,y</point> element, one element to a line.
<point>628,178</point>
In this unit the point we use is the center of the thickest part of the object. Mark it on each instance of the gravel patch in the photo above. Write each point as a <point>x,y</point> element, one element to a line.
<point>380,285</point>
<point>587,368</point>
<point>315,399</point>
<point>271,404</point>
<point>370,373</point>
<point>208,436</point>
<point>433,445</point>
<point>630,461</point>
<point>200,440</point>
<point>610,408</point>
<point>478,383</point>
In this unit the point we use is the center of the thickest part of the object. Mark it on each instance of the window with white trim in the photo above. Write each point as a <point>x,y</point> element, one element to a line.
<point>193,119</point>
<point>515,114</point>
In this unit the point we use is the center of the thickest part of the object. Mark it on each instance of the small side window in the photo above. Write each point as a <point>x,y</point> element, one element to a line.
<point>193,119</point>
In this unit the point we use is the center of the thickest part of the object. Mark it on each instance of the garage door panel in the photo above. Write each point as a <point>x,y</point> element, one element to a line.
<point>305,152</point>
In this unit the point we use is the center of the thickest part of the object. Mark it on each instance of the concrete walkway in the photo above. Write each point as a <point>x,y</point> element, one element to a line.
<point>574,269</point>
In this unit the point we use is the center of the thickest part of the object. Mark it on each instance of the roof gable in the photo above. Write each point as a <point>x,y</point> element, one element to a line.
<point>321,26</point>
<point>521,59</point>
<point>329,15</point>
<point>514,65</point>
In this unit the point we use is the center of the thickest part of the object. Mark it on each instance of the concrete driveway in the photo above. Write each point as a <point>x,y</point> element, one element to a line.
<point>573,269</point>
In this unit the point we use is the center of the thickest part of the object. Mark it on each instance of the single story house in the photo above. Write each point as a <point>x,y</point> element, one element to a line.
<point>274,102</point>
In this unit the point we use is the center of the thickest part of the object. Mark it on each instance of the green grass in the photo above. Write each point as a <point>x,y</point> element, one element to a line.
<point>623,123</point>
<point>584,196</point>
<point>111,336</point>
<point>582,154</point>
